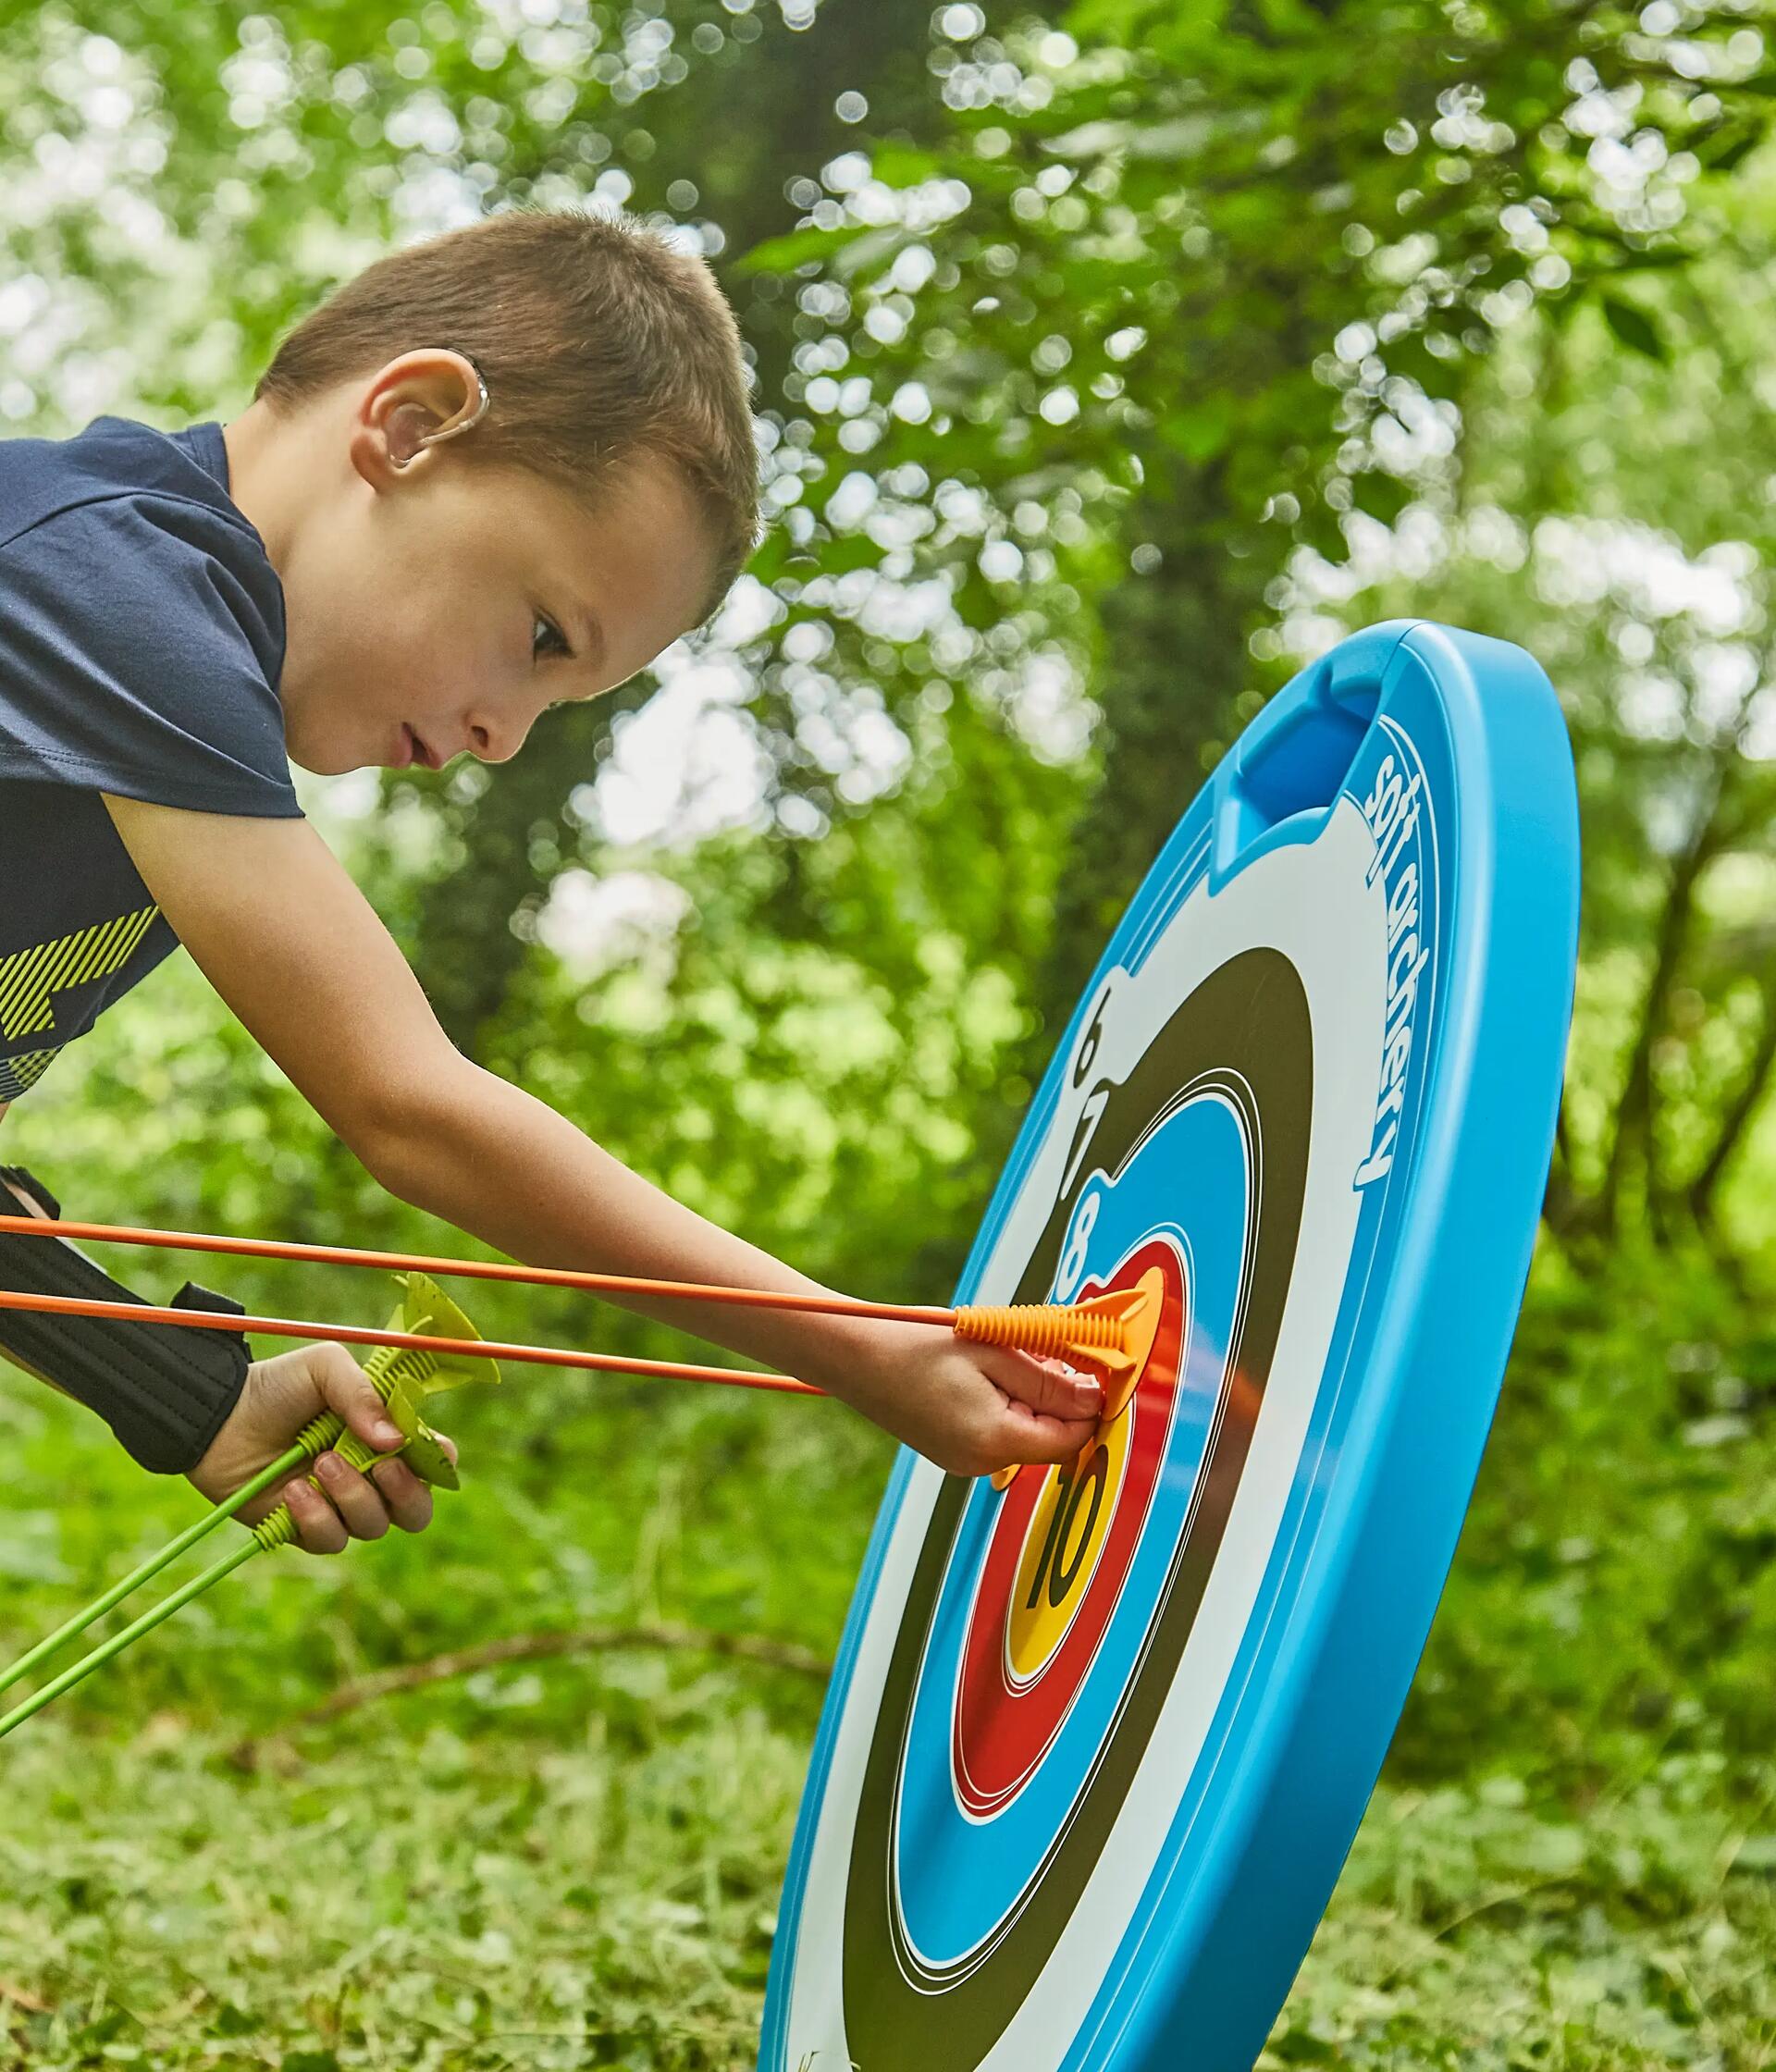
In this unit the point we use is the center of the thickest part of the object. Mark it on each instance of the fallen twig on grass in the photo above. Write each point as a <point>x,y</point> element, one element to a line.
<point>532,1648</point>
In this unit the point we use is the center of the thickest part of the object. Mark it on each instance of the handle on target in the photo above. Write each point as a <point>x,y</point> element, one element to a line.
<point>1285,776</point>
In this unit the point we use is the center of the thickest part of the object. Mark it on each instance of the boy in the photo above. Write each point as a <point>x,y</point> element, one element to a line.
<point>500,469</point>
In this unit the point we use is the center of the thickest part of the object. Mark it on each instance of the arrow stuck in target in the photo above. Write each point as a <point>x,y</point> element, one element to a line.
<point>1131,1314</point>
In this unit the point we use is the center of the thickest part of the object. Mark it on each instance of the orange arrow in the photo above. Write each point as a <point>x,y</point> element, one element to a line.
<point>1049,1329</point>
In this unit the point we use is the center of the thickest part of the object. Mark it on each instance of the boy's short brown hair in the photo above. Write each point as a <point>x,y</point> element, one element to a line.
<point>599,343</point>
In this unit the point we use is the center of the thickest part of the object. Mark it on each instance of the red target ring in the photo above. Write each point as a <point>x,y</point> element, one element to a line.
<point>1056,1565</point>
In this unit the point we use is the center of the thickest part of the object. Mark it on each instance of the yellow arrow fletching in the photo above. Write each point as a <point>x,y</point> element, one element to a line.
<point>427,1312</point>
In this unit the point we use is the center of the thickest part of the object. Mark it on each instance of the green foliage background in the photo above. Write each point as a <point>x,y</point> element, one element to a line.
<point>1113,357</point>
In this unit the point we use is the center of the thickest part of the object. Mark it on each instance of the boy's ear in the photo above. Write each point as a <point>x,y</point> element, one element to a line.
<point>412,403</point>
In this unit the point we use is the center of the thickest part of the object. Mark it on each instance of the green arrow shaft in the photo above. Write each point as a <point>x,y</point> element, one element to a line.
<point>77,1672</point>
<point>314,1441</point>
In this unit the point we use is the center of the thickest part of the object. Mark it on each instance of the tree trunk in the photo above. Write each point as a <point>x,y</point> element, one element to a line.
<point>1175,661</point>
<point>466,951</point>
<point>1634,1116</point>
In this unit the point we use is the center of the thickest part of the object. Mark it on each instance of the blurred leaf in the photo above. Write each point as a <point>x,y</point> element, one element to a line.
<point>1635,328</point>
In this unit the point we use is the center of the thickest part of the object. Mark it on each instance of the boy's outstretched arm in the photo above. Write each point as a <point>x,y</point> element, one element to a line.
<point>280,931</point>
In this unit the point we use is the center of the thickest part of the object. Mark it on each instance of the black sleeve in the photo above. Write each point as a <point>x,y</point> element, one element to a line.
<point>166,1390</point>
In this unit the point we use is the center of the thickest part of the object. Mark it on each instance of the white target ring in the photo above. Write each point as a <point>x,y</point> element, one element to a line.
<point>1322,909</point>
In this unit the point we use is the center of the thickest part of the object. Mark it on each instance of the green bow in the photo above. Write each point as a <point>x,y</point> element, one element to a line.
<point>403,1377</point>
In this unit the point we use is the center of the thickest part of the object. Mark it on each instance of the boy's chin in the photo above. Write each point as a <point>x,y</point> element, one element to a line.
<point>329,738</point>
<point>325,758</point>
<point>321,764</point>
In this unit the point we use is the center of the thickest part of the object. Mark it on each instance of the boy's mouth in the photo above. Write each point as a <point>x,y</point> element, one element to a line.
<point>410,748</point>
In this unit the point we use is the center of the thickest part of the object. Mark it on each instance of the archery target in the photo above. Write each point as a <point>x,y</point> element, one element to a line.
<point>1061,1711</point>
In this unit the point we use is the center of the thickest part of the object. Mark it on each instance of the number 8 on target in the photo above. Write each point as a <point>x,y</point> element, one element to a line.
<point>1073,1260</point>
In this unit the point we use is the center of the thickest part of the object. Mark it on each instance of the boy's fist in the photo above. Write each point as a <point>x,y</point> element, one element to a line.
<point>970,1408</point>
<point>280,1397</point>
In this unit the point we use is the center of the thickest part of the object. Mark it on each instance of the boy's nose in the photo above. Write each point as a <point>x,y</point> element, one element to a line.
<point>494,740</point>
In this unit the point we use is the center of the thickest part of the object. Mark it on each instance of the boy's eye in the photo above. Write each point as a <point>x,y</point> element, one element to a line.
<point>547,638</point>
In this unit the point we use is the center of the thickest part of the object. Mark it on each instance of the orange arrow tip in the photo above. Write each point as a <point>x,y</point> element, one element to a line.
<point>1095,1334</point>
<point>1110,1336</point>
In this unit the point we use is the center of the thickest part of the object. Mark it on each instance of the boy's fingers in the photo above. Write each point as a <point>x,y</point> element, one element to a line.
<point>1046,1386</point>
<point>356,1499</point>
<point>408,1498</point>
<point>351,1506</point>
<point>349,1393</point>
<point>319,1528</point>
<point>1031,1436</point>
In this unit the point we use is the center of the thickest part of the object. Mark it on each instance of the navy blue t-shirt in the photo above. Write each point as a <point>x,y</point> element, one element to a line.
<point>141,637</point>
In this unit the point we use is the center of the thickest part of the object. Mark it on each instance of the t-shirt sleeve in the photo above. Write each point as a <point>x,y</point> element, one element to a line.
<point>141,641</point>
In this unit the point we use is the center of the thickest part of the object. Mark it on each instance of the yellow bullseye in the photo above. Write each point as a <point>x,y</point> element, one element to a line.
<point>1066,1533</point>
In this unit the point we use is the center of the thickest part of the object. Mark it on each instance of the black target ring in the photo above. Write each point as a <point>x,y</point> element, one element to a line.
<point>1245,1032</point>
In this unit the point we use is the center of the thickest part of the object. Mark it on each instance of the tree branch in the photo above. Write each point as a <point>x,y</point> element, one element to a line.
<point>534,1647</point>
<point>1740,1111</point>
<point>1635,1111</point>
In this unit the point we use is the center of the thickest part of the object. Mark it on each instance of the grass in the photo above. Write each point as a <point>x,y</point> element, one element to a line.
<point>600,1897</point>
<point>1477,1926</point>
<point>1571,1862</point>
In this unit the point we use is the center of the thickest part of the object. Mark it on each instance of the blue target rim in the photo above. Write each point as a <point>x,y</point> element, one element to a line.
<point>1213,1944</point>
